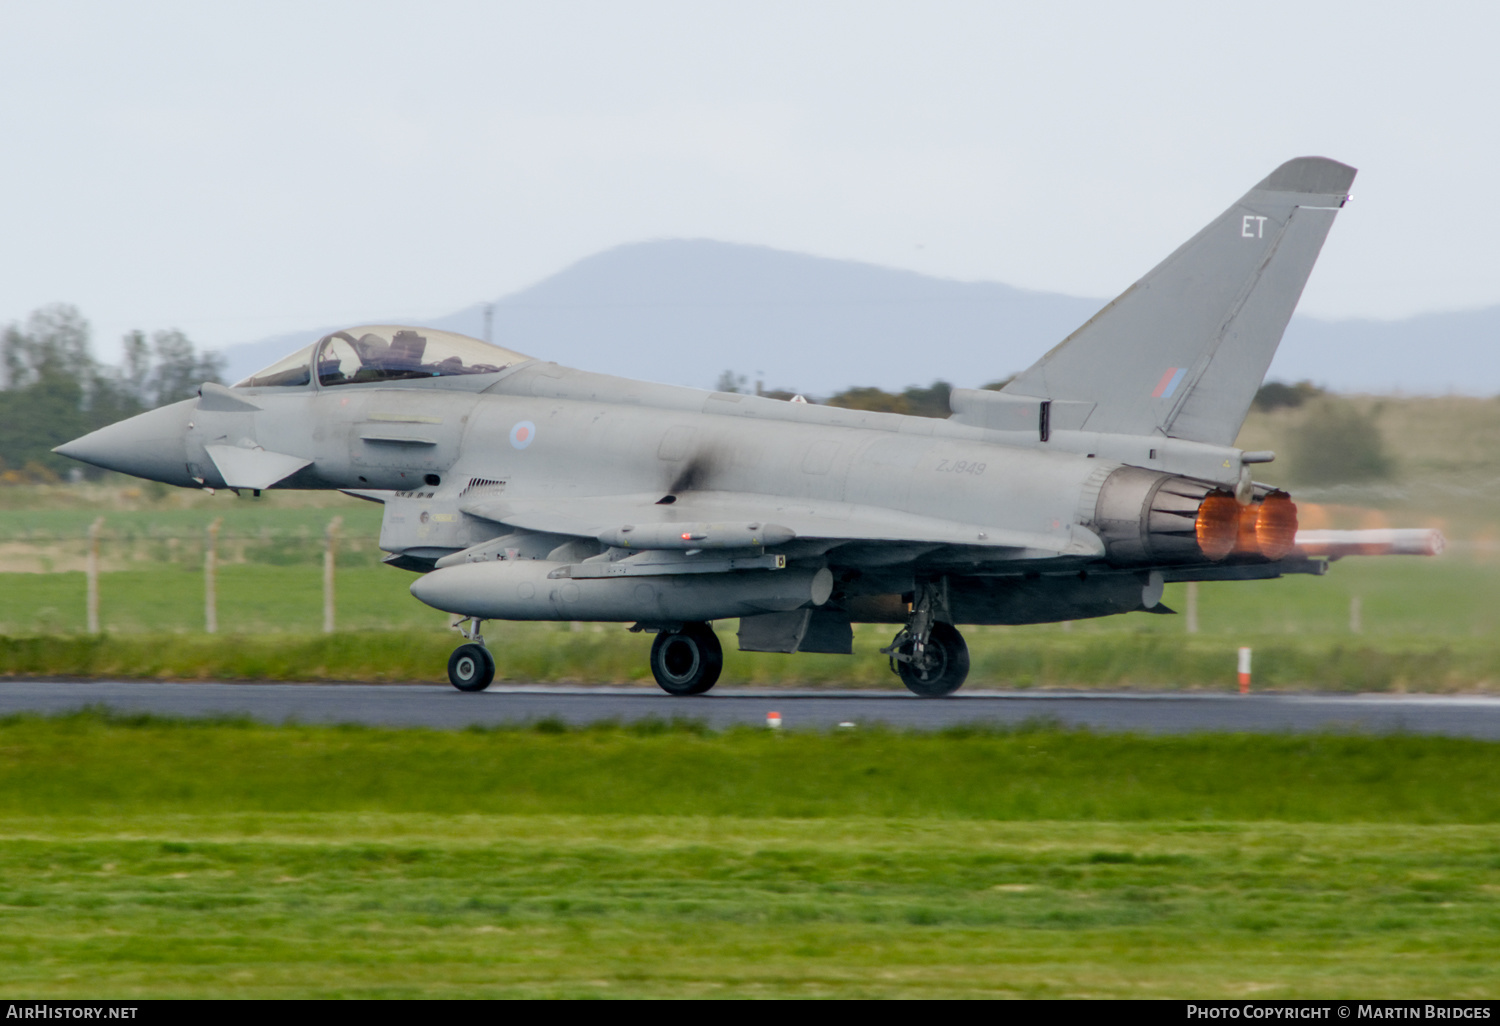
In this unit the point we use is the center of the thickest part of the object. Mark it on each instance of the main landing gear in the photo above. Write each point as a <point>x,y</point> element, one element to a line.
<point>929,654</point>
<point>471,667</point>
<point>687,661</point>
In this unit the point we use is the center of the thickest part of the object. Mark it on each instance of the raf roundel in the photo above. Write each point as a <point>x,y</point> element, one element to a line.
<point>522,434</point>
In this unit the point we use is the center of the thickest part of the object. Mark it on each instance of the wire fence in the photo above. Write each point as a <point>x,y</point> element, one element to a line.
<point>99,550</point>
<point>43,551</point>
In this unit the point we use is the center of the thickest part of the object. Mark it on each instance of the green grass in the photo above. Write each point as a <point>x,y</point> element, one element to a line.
<point>92,766</point>
<point>245,517</point>
<point>1446,597</point>
<point>528,653</point>
<point>1430,625</point>
<point>136,512</point>
<point>253,599</point>
<point>144,858</point>
<point>652,907</point>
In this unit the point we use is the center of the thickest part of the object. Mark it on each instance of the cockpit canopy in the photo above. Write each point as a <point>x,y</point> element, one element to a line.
<point>384,352</point>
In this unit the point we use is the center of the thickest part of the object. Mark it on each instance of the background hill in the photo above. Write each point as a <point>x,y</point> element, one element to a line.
<point>685,310</point>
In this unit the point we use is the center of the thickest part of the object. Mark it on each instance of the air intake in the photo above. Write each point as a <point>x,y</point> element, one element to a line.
<point>477,483</point>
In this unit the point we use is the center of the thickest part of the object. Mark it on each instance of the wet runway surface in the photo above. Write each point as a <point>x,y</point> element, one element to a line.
<point>418,705</point>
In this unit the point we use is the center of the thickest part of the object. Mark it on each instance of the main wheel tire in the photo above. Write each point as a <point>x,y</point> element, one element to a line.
<point>471,668</point>
<point>947,664</point>
<point>688,662</point>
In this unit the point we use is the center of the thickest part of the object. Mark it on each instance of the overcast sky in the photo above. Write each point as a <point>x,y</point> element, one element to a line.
<point>240,169</point>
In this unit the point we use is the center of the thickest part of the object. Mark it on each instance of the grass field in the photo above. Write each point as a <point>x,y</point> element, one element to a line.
<point>1429,625</point>
<point>1450,596</point>
<point>660,861</point>
<point>530,653</point>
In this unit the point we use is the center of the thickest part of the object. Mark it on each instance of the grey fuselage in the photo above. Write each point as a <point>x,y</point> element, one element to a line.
<point>1010,521</point>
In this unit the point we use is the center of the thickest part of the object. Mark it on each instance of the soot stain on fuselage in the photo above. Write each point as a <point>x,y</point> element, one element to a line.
<point>694,474</point>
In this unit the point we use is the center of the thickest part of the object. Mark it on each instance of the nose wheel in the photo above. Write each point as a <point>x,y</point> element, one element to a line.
<point>471,667</point>
<point>689,661</point>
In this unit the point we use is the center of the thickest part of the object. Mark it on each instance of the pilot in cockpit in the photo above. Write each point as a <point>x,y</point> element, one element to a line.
<point>375,354</point>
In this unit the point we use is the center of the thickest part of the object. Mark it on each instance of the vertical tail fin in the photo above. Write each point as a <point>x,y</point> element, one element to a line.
<point>1183,351</point>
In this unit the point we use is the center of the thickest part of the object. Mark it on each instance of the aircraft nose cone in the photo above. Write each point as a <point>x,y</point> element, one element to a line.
<point>151,445</point>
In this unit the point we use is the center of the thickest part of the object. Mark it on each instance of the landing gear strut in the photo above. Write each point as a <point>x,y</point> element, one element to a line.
<point>687,661</point>
<point>471,667</point>
<point>929,654</point>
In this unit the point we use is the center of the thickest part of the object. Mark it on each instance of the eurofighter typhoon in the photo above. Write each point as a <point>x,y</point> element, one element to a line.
<point>522,490</point>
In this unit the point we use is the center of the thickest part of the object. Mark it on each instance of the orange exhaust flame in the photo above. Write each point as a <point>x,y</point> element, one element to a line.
<point>1267,528</point>
<point>1276,526</point>
<point>1218,525</point>
<point>1313,516</point>
<point>1245,542</point>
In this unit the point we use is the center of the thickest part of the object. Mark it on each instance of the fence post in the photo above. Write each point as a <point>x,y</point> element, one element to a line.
<point>211,577</point>
<point>332,539</point>
<point>1192,607</point>
<point>92,574</point>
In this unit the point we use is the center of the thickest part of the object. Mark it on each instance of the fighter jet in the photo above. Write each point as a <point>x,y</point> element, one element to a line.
<point>522,490</point>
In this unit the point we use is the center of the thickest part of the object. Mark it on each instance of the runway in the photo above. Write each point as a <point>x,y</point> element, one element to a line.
<point>419,705</point>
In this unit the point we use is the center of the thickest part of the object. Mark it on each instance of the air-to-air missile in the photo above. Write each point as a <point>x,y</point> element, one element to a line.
<point>522,490</point>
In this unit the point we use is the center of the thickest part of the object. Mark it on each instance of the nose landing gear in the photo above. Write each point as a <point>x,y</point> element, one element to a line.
<point>471,667</point>
<point>929,654</point>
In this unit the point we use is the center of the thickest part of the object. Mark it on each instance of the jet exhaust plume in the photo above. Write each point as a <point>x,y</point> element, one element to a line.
<point>1218,525</point>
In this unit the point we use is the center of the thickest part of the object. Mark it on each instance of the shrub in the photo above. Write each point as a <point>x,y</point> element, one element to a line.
<point>1336,443</point>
